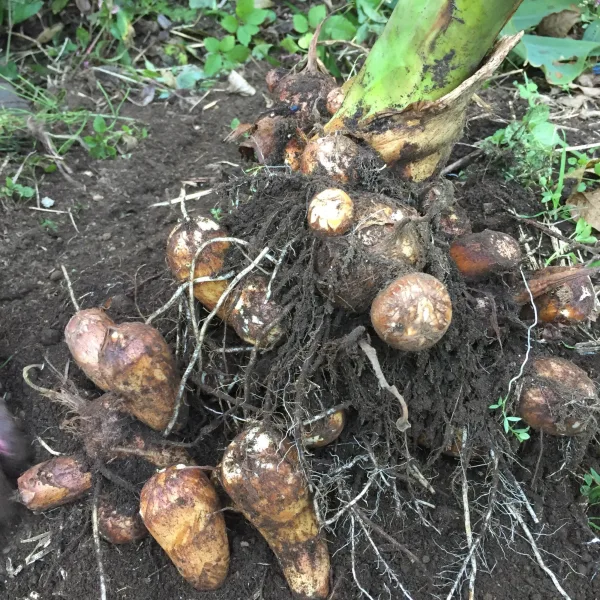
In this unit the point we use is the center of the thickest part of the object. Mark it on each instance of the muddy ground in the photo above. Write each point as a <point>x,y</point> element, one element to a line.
<point>114,253</point>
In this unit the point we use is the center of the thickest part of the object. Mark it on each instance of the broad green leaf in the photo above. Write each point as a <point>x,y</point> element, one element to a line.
<point>230,24</point>
<point>531,12</point>
<point>213,64</point>
<point>58,5</point>
<point>561,59</point>
<point>238,54</point>
<point>289,44</point>
<point>316,14</point>
<point>9,70</point>
<point>256,17</point>
<point>338,27</point>
<point>300,23</point>
<point>211,44</point>
<point>22,11</point>
<point>99,124</point>
<point>227,43</point>
<point>592,32</point>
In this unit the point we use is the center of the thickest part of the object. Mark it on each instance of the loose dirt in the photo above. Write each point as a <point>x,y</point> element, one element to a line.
<point>115,257</point>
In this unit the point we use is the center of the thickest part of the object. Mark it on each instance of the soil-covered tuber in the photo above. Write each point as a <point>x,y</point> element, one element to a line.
<point>181,510</point>
<point>261,474</point>
<point>485,253</point>
<point>131,359</point>
<point>55,482</point>
<point>413,312</point>
<point>331,212</point>
<point>558,398</point>
<point>324,431</point>
<point>119,524</point>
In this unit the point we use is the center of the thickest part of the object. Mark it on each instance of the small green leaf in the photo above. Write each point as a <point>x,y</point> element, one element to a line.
<point>203,4</point>
<point>338,27</point>
<point>99,124</point>
<point>211,44</point>
<point>238,54</point>
<point>597,168</point>
<point>83,36</point>
<point>230,24</point>
<point>300,23</point>
<point>22,11</point>
<point>289,44</point>
<point>243,8</point>
<point>304,41</point>
<point>316,14</point>
<point>122,24</point>
<point>256,17</point>
<point>213,64</point>
<point>227,43</point>
<point>581,187</point>
<point>244,34</point>
<point>234,123</point>
<point>494,406</point>
<point>260,51</point>
<point>513,419</point>
<point>58,5</point>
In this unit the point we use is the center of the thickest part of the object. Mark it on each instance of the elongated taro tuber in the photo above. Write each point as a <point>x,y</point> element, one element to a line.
<point>413,312</point>
<point>183,245</point>
<point>247,309</point>
<point>261,474</point>
<point>180,508</point>
<point>482,254</point>
<point>54,482</point>
<point>131,359</point>
<point>120,524</point>
<point>558,398</point>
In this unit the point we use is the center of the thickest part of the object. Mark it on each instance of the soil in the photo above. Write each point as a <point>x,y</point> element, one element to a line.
<point>114,253</point>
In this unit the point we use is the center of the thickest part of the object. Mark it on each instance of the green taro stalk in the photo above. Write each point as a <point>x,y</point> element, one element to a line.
<point>409,99</point>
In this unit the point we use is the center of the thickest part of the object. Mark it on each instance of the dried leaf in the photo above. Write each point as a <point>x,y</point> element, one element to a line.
<point>559,24</point>
<point>575,102</point>
<point>147,95</point>
<point>49,32</point>
<point>238,85</point>
<point>587,207</point>
<point>263,3</point>
<point>84,6</point>
<point>591,92</point>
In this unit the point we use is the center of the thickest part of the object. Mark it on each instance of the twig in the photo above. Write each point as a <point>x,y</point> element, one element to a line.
<point>184,198</point>
<point>70,287</point>
<point>326,413</point>
<point>402,423</point>
<point>200,339</point>
<point>554,234</point>
<point>515,513</point>
<point>461,162</point>
<point>96,533</point>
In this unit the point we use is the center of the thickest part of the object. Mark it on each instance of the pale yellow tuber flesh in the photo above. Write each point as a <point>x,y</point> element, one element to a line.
<point>181,510</point>
<point>260,472</point>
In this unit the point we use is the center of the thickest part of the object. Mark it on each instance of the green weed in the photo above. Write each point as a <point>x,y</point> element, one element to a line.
<point>509,422</point>
<point>591,491</point>
<point>15,191</point>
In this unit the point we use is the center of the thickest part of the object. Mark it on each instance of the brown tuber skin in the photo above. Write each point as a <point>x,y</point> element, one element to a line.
<point>482,254</point>
<point>412,313</point>
<point>261,474</point>
<point>330,212</point>
<point>334,100</point>
<point>131,359</point>
<point>571,302</point>
<point>558,398</point>
<point>182,246</point>
<point>325,431</point>
<point>85,334</point>
<point>246,309</point>
<point>332,155</point>
<point>119,526</point>
<point>53,483</point>
<point>181,510</point>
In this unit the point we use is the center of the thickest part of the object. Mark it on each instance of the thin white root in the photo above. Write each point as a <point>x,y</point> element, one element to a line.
<point>350,504</point>
<point>402,423</point>
<point>467,514</point>
<point>353,556</point>
<point>70,287</point>
<point>200,339</point>
<point>97,547</point>
<point>517,515</point>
